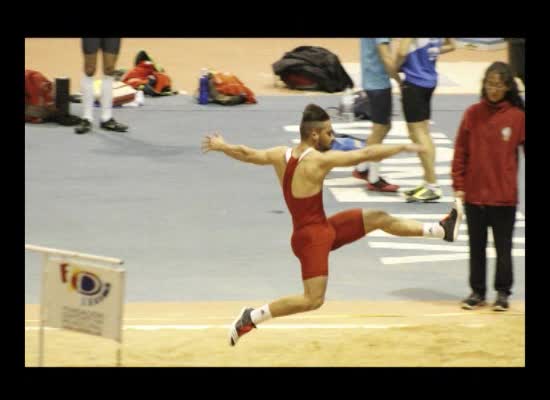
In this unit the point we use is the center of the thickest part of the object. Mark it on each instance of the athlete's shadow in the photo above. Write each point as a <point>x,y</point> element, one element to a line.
<point>424,294</point>
<point>125,145</point>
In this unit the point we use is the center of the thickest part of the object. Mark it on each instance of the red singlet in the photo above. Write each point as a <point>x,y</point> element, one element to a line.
<point>314,235</point>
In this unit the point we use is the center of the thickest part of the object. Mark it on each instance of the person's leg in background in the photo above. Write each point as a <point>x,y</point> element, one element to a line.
<point>111,48</point>
<point>502,220</point>
<point>90,47</point>
<point>417,109</point>
<point>381,107</point>
<point>477,220</point>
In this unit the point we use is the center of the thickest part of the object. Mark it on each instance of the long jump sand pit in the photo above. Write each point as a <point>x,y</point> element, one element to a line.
<point>339,334</point>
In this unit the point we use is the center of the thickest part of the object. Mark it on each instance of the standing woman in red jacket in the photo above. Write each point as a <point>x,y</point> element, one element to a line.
<point>484,171</point>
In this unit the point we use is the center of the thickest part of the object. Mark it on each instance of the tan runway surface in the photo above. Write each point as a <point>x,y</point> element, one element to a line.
<point>354,334</point>
<point>341,333</point>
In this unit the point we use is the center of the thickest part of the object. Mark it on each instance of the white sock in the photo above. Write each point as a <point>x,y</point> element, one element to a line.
<point>261,314</point>
<point>432,186</point>
<point>106,98</point>
<point>362,167</point>
<point>87,89</point>
<point>373,172</point>
<point>433,230</point>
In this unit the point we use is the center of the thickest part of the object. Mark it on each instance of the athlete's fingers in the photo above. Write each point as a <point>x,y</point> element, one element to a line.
<point>205,145</point>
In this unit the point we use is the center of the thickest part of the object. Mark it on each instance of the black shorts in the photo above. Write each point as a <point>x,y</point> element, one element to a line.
<point>380,105</point>
<point>108,45</point>
<point>416,102</point>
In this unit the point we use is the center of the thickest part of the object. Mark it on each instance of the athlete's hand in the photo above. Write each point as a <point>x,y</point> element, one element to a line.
<point>213,142</point>
<point>414,148</point>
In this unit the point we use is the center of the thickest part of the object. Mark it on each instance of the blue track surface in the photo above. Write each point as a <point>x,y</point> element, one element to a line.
<point>196,227</point>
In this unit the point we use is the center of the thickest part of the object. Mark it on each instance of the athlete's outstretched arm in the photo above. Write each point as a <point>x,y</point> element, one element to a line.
<point>243,153</point>
<point>373,152</point>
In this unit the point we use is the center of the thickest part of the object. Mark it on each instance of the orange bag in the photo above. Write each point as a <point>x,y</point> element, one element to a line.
<point>39,97</point>
<point>229,85</point>
<point>144,76</point>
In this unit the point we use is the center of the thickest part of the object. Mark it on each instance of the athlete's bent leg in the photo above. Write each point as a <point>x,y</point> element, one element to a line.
<point>312,299</point>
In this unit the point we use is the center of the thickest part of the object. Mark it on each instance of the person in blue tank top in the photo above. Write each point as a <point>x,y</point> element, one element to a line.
<point>377,67</point>
<point>416,58</point>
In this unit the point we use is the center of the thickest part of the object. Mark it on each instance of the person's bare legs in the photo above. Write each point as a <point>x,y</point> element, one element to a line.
<point>87,85</point>
<point>87,90</point>
<point>107,121</point>
<point>109,62</point>
<point>419,132</point>
<point>312,298</point>
<point>379,132</point>
<point>378,219</point>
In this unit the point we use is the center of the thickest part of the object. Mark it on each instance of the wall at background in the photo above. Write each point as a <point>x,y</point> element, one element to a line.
<point>250,59</point>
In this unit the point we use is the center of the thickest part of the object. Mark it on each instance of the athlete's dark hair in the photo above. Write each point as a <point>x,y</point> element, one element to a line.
<point>505,72</point>
<point>312,115</point>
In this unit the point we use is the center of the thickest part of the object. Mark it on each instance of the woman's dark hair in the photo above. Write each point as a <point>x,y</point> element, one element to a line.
<point>507,76</point>
<point>312,115</point>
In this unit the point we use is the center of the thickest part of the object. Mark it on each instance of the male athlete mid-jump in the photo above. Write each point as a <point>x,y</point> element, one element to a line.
<point>301,171</point>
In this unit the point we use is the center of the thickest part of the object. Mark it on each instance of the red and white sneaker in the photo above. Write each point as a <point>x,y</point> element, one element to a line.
<point>242,325</point>
<point>361,175</point>
<point>382,186</point>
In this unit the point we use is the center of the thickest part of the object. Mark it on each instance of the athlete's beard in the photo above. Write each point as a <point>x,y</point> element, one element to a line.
<point>324,148</point>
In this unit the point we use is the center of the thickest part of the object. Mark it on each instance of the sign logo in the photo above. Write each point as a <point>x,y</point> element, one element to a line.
<point>88,284</point>
<point>506,133</point>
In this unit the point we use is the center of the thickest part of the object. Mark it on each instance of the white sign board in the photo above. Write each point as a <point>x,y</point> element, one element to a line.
<point>83,297</point>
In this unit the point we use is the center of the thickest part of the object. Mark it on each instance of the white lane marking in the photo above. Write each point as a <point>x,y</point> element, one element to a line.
<point>442,257</point>
<point>360,195</point>
<point>460,238</point>
<point>444,157</point>
<point>419,246</point>
<point>518,224</point>
<point>398,141</point>
<point>435,247</point>
<point>351,181</point>
<point>472,325</point>
<point>519,216</point>
<point>274,326</point>
<point>397,126</point>
<point>402,171</point>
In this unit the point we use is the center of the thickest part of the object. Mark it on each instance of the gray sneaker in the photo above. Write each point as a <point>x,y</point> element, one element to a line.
<point>413,191</point>
<point>112,125</point>
<point>501,303</point>
<point>242,325</point>
<point>84,127</point>
<point>473,301</point>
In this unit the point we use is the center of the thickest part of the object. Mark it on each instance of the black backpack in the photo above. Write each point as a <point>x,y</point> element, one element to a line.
<point>312,68</point>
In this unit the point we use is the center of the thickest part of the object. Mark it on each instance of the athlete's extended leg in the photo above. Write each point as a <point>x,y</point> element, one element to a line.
<point>446,229</point>
<point>378,219</point>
